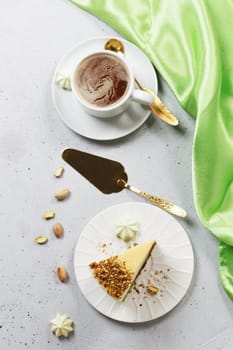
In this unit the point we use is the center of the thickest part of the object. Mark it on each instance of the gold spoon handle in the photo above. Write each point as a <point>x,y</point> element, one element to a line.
<point>159,202</point>
<point>158,107</point>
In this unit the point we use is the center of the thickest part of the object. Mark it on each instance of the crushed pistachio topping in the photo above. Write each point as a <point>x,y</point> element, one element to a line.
<point>112,275</point>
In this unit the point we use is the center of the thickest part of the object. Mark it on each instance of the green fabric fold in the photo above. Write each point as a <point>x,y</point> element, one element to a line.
<point>226,267</point>
<point>190,43</point>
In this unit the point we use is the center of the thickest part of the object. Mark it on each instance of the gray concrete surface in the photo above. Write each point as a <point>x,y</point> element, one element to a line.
<point>33,37</point>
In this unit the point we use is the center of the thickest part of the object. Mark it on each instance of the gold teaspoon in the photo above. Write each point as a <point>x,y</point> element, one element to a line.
<point>157,107</point>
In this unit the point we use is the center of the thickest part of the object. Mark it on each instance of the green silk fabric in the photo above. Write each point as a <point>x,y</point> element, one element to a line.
<point>190,44</point>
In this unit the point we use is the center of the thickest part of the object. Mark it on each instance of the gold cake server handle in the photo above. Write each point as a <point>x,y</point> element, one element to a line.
<point>159,202</point>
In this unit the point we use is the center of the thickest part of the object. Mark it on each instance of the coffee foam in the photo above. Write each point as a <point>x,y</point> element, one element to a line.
<point>101,80</point>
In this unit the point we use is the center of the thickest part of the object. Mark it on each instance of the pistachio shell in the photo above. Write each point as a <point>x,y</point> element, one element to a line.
<point>59,171</point>
<point>49,214</point>
<point>41,239</point>
<point>152,289</point>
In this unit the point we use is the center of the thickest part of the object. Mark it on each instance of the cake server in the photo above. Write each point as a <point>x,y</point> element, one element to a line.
<point>109,176</point>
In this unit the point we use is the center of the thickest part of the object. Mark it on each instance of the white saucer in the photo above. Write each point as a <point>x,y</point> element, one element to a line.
<point>170,267</point>
<point>91,127</point>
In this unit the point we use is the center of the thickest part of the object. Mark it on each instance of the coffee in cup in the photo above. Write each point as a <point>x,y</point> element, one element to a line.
<point>101,80</point>
<point>103,83</point>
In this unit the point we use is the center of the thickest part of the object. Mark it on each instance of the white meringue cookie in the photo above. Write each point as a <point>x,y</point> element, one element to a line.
<point>61,325</point>
<point>127,230</point>
<point>63,80</point>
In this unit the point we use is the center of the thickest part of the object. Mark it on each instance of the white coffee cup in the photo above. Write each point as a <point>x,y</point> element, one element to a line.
<point>84,90</point>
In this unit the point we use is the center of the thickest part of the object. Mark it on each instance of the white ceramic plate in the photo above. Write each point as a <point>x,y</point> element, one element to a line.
<point>91,127</point>
<point>170,267</point>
